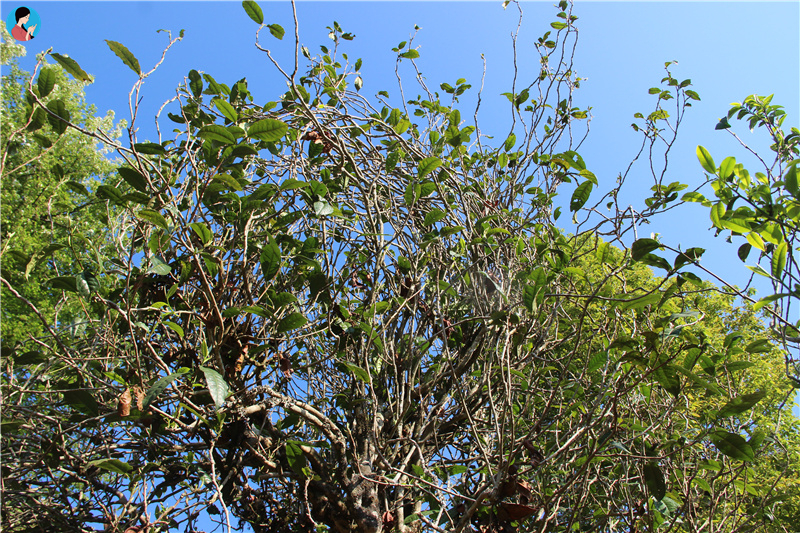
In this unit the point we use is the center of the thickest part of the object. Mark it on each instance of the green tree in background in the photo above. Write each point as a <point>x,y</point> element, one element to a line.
<point>51,223</point>
<point>329,312</point>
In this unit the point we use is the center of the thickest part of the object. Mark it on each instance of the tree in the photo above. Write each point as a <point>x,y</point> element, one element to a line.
<point>48,213</point>
<point>333,314</point>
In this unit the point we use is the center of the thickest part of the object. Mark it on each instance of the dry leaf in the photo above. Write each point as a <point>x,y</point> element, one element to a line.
<point>124,404</point>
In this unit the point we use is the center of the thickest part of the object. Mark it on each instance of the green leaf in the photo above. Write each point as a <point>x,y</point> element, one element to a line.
<point>698,380</point>
<point>71,66</point>
<point>558,25</point>
<point>46,81</point>
<point>434,216</point>
<point>64,283</point>
<point>295,457</point>
<point>759,346</point>
<point>202,231</point>
<point>154,217</point>
<point>705,160</point>
<point>529,297</point>
<point>59,108</point>
<point>268,129</point>
<point>216,386</point>
<point>133,178</point>
<point>655,481</point>
<point>521,98</point>
<point>511,140</point>
<point>158,266</point>
<point>38,119</point>
<point>726,167</point>
<point>159,387</point>
<point>779,260</point>
<point>292,183</point>
<point>732,445</point>
<point>756,439</point>
<point>392,159</point>
<point>253,11</point>
<point>722,124</point>
<point>581,195</point>
<point>270,259</point>
<point>735,366</point>
<point>125,55</point>
<point>428,165</point>
<point>597,362</point>
<point>149,148</point>
<point>226,109</point>
<point>82,400</point>
<point>694,197</point>
<point>411,54</point>
<point>276,30</point>
<point>667,377</point>
<point>412,193</point>
<point>217,133</point>
<point>769,299</point>
<point>111,465</point>
<point>92,283</point>
<point>642,247</point>
<point>111,193</point>
<point>740,404</point>
<point>293,321</point>
<point>174,327</point>
<point>717,212</point>
<point>358,372</point>
<point>195,83</point>
<point>323,209</point>
<point>228,181</point>
<point>790,179</point>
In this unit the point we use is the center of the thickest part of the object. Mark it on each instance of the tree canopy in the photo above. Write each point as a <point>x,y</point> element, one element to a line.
<point>339,313</point>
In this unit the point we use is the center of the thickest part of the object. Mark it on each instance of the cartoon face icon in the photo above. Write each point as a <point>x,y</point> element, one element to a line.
<point>22,23</point>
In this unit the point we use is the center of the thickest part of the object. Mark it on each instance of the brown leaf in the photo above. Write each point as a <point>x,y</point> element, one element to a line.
<point>515,511</point>
<point>388,520</point>
<point>524,490</point>
<point>124,403</point>
<point>508,488</point>
<point>285,364</point>
<point>138,394</point>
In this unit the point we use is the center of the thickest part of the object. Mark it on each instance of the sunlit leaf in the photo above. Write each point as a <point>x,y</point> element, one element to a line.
<point>159,387</point>
<point>276,30</point>
<point>58,107</point>
<point>291,322</point>
<point>71,66</point>
<point>705,160</point>
<point>253,11</point>
<point>154,217</point>
<point>642,247</point>
<point>428,165</point>
<point>270,259</point>
<point>740,404</point>
<point>268,129</point>
<point>111,465</point>
<point>125,55</point>
<point>216,386</point>
<point>46,81</point>
<point>581,195</point>
<point>732,445</point>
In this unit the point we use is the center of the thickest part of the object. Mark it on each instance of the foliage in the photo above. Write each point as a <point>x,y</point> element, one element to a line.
<point>329,313</point>
<point>763,209</point>
<point>48,212</point>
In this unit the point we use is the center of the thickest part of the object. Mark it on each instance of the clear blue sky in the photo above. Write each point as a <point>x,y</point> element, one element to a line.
<point>728,49</point>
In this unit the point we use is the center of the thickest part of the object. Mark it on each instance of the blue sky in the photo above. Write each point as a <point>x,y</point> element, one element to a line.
<point>728,49</point>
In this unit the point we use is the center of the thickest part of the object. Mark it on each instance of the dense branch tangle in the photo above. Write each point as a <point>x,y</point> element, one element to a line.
<point>329,314</point>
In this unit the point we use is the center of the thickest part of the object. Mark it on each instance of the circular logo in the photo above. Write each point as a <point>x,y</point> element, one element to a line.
<point>23,23</point>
